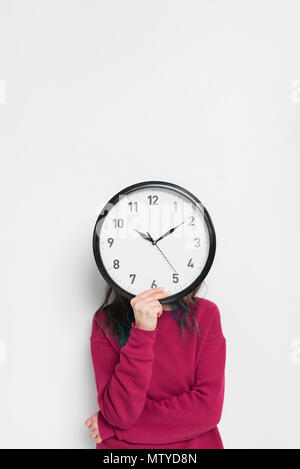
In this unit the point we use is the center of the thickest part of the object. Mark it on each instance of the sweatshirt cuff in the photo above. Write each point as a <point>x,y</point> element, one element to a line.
<point>105,429</point>
<point>140,343</point>
<point>152,332</point>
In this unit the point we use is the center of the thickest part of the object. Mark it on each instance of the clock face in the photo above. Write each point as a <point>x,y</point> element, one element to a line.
<point>154,234</point>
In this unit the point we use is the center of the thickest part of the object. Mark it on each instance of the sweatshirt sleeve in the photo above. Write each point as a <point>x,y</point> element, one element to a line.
<point>122,380</point>
<point>194,412</point>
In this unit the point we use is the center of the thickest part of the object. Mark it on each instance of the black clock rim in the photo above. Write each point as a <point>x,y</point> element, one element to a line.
<point>162,184</point>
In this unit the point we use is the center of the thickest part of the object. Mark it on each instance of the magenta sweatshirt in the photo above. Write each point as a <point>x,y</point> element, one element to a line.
<point>158,390</point>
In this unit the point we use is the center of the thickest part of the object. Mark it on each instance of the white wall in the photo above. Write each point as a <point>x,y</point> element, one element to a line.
<point>98,95</point>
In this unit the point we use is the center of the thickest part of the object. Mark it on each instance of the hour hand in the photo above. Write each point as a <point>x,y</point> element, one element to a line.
<point>143,235</point>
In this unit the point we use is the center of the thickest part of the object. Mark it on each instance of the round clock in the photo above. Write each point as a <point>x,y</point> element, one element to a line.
<point>154,234</point>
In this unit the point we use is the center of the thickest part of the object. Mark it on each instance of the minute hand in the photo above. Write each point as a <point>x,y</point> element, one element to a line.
<point>169,232</point>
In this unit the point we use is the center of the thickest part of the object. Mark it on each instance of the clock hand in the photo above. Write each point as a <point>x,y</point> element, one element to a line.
<point>150,238</point>
<point>143,235</point>
<point>166,258</point>
<point>154,244</point>
<point>169,232</point>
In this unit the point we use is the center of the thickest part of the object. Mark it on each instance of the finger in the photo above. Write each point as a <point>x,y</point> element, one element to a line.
<point>151,304</point>
<point>154,308</point>
<point>91,428</point>
<point>148,305</point>
<point>154,297</point>
<point>146,293</point>
<point>94,433</point>
<point>88,422</point>
<point>160,313</point>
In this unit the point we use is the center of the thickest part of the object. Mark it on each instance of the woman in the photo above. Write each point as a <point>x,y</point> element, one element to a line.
<point>157,387</point>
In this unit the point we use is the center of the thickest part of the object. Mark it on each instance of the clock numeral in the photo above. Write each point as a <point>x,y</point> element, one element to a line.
<point>175,205</point>
<point>110,241</point>
<point>175,278</point>
<point>153,284</point>
<point>190,264</point>
<point>118,222</point>
<point>197,242</point>
<point>133,206</point>
<point>132,277</point>
<point>116,264</point>
<point>192,220</point>
<point>153,199</point>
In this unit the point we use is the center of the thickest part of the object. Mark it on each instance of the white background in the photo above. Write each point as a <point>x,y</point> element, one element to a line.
<point>98,95</point>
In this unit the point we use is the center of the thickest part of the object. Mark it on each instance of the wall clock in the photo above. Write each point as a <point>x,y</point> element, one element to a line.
<point>154,234</point>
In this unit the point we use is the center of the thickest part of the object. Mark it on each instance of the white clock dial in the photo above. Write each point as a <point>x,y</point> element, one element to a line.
<point>137,249</point>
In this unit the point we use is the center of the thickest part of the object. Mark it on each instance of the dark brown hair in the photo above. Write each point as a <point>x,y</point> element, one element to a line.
<point>119,314</point>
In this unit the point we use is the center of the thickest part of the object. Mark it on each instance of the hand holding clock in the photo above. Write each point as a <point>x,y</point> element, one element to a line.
<point>147,308</point>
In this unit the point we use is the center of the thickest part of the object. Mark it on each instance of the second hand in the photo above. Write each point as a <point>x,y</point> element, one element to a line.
<point>154,243</point>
